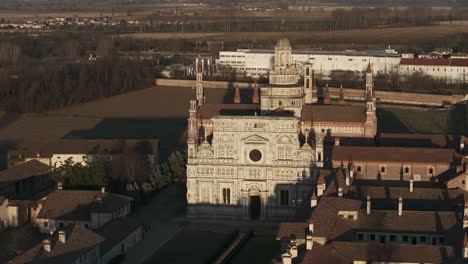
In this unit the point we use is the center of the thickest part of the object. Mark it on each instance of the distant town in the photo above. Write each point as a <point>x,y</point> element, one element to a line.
<point>244,132</point>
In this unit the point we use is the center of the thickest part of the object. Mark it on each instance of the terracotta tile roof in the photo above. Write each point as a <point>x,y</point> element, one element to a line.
<point>429,62</point>
<point>207,111</point>
<point>377,252</point>
<point>24,170</point>
<point>337,180</point>
<point>46,148</point>
<point>435,62</point>
<point>288,230</point>
<point>320,254</point>
<point>78,205</point>
<point>325,213</point>
<point>386,192</point>
<point>418,140</point>
<point>393,154</point>
<point>78,241</point>
<point>409,221</point>
<point>117,230</point>
<point>334,113</point>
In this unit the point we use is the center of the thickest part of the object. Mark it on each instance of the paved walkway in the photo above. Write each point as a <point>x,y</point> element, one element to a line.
<point>158,215</point>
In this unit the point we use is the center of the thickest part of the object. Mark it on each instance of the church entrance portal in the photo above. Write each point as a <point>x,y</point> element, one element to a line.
<point>255,207</point>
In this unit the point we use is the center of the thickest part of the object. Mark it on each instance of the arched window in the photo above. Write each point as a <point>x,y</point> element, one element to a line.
<point>226,195</point>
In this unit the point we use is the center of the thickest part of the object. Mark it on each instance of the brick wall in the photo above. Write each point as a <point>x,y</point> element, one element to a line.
<point>350,94</point>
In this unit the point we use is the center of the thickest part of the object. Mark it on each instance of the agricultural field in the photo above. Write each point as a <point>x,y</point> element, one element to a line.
<point>376,37</point>
<point>161,113</point>
<point>397,119</point>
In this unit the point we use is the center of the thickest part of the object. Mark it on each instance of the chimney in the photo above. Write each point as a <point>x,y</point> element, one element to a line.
<point>293,251</point>
<point>237,98</point>
<point>368,205</point>
<point>309,242</point>
<point>341,99</point>
<point>59,186</point>
<point>400,205</point>
<point>313,200</point>
<point>320,186</point>
<point>103,189</point>
<point>411,184</point>
<point>466,178</point>
<point>47,245</point>
<point>255,98</point>
<point>62,236</point>
<point>340,191</point>
<point>347,179</point>
<point>465,246</point>
<point>286,258</point>
<point>311,227</point>
<point>337,141</point>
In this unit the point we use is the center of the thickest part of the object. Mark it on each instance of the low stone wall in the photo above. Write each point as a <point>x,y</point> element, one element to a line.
<point>401,97</point>
<point>416,99</point>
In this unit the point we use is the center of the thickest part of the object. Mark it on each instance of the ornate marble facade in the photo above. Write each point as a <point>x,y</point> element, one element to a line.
<point>254,161</point>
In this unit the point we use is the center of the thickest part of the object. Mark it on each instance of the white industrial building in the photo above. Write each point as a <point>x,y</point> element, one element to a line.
<point>257,62</point>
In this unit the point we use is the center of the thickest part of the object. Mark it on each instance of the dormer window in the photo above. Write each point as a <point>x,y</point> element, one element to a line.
<point>359,168</point>
<point>383,169</point>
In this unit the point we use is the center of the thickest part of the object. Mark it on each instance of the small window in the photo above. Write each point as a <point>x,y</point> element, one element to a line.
<point>383,169</point>
<point>405,238</point>
<point>392,237</point>
<point>423,239</point>
<point>430,171</point>
<point>372,237</point>
<point>407,170</point>
<point>350,217</point>
<point>360,237</point>
<point>46,224</point>
<point>359,169</point>
<point>86,225</point>
<point>441,240</point>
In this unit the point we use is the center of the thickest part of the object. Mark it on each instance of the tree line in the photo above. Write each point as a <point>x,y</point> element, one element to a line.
<point>48,72</point>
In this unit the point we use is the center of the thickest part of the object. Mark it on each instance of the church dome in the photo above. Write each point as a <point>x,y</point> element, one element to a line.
<point>283,43</point>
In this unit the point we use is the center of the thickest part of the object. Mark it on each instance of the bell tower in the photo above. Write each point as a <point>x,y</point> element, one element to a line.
<point>371,105</point>
<point>199,83</point>
<point>310,92</point>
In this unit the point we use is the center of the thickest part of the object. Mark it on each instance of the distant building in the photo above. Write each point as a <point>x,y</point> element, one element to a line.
<point>55,152</point>
<point>77,244</point>
<point>256,62</point>
<point>91,209</point>
<point>451,70</point>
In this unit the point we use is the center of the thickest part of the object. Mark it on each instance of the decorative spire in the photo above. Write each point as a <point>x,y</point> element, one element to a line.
<point>341,99</point>
<point>369,68</point>
<point>255,98</point>
<point>237,98</point>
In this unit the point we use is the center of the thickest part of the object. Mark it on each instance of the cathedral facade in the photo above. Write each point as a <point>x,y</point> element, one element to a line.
<point>260,160</point>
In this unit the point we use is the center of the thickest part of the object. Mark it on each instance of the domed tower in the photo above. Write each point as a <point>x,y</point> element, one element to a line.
<point>283,92</point>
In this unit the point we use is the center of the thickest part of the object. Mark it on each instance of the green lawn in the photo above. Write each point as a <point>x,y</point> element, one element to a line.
<point>258,250</point>
<point>189,246</point>
<point>18,239</point>
<point>393,119</point>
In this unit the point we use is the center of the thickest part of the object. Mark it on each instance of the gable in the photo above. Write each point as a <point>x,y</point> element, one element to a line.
<point>255,139</point>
